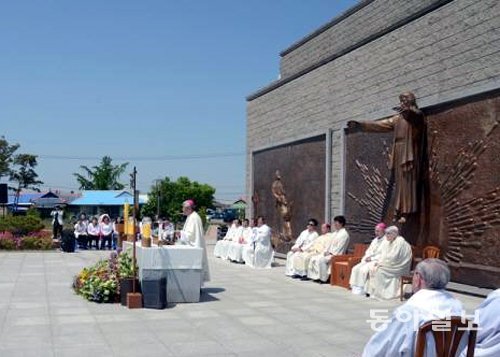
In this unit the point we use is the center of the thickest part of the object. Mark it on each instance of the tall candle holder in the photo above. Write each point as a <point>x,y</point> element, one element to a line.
<point>134,299</point>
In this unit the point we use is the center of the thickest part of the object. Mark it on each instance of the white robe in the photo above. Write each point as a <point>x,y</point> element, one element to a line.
<point>400,333</point>
<point>220,249</point>
<point>303,242</point>
<point>359,273</point>
<point>193,234</point>
<point>233,238</point>
<point>319,265</point>
<point>235,248</point>
<point>260,253</point>
<point>395,261</point>
<point>301,259</point>
<point>488,321</point>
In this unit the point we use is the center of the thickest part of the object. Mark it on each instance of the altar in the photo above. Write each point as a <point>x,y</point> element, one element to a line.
<point>180,265</point>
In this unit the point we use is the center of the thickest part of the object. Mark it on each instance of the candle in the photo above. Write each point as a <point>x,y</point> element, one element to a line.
<point>146,230</point>
<point>125,217</point>
<point>131,226</point>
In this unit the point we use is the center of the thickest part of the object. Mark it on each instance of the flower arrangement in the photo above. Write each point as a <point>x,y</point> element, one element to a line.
<point>40,240</point>
<point>101,281</point>
<point>125,267</point>
<point>8,241</point>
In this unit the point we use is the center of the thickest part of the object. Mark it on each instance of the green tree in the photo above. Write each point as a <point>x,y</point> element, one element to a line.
<point>6,156</point>
<point>24,174</point>
<point>105,176</point>
<point>171,194</point>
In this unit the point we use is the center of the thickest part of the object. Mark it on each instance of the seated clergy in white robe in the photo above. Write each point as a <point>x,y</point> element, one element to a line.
<point>487,317</point>
<point>220,249</point>
<point>359,273</point>
<point>259,253</point>
<point>320,244</point>
<point>319,265</point>
<point>394,261</point>
<point>430,301</point>
<point>303,242</point>
<point>235,247</point>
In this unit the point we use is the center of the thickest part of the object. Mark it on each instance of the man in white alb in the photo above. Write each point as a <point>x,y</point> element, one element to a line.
<point>359,273</point>
<point>487,317</point>
<point>430,301</point>
<point>235,247</point>
<point>259,253</point>
<point>193,234</point>
<point>303,242</point>
<point>394,262</point>
<point>221,247</point>
<point>319,265</point>
<point>320,244</point>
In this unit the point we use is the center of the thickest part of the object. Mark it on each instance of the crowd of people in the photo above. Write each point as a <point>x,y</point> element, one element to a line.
<point>378,274</point>
<point>101,232</point>
<point>310,257</point>
<point>96,232</point>
<point>247,242</point>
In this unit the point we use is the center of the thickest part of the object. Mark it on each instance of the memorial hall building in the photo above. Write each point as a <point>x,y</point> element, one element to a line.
<point>303,163</point>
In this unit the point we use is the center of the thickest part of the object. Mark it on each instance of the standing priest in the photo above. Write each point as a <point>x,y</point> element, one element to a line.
<point>193,234</point>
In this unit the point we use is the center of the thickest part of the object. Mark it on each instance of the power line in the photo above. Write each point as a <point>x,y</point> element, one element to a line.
<point>147,158</point>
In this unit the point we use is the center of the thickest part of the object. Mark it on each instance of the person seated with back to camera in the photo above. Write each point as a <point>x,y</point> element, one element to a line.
<point>360,272</point>
<point>235,248</point>
<point>319,265</point>
<point>232,234</point>
<point>394,261</point>
<point>320,244</point>
<point>487,317</point>
<point>302,243</point>
<point>430,301</point>
<point>166,230</point>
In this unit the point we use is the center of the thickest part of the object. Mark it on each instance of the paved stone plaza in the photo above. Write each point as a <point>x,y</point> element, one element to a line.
<point>244,312</point>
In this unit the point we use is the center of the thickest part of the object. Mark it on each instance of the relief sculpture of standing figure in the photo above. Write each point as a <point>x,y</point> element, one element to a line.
<point>407,152</point>
<point>282,205</point>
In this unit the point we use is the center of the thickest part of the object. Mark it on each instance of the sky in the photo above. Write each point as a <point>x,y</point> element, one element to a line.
<point>160,84</point>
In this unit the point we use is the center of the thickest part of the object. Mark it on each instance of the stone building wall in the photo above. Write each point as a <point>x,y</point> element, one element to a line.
<point>441,55</point>
<point>358,24</point>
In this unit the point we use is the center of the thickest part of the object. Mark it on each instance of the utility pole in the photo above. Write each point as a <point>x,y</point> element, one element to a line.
<point>134,299</point>
<point>158,198</point>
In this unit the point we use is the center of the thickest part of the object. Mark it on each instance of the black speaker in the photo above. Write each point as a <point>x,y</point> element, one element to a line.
<point>4,197</point>
<point>154,293</point>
